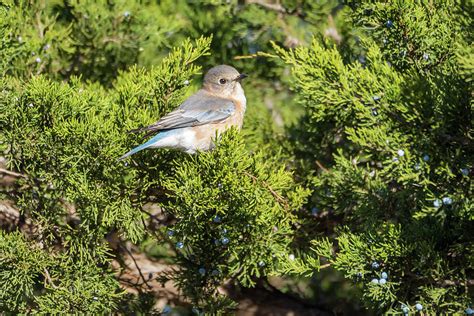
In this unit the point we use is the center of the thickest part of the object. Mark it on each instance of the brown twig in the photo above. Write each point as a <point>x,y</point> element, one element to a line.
<point>320,165</point>
<point>324,266</point>
<point>281,10</point>
<point>12,173</point>
<point>270,6</point>
<point>48,278</point>
<point>257,54</point>
<point>136,265</point>
<point>40,25</point>
<point>273,192</point>
<point>106,40</point>
<point>331,31</point>
<point>446,283</point>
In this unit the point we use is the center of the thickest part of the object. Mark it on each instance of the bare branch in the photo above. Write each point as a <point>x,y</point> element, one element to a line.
<point>12,173</point>
<point>47,277</point>
<point>273,192</point>
<point>270,6</point>
<point>145,281</point>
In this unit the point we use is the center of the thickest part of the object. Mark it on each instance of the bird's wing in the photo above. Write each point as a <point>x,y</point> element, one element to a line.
<point>201,108</point>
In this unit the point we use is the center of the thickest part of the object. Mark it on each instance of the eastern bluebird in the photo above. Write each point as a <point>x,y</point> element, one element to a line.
<point>217,106</point>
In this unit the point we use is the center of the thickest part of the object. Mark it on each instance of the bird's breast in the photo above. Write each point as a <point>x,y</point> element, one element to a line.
<point>239,98</point>
<point>240,102</point>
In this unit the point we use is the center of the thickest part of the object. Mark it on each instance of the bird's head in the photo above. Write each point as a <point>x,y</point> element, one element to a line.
<point>223,81</point>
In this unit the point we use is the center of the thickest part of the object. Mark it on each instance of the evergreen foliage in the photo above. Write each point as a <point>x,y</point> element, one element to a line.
<point>394,131</point>
<point>359,175</point>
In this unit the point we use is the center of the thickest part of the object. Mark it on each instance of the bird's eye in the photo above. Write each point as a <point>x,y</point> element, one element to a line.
<point>222,81</point>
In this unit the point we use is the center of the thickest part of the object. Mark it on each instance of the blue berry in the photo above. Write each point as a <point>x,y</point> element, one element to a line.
<point>426,157</point>
<point>469,311</point>
<point>436,203</point>
<point>186,82</point>
<point>401,152</point>
<point>417,166</point>
<point>418,307</point>
<point>375,281</point>
<point>202,271</point>
<point>314,211</point>
<point>405,309</point>
<point>179,245</point>
<point>46,47</point>
<point>215,272</point>
<point>217,219</point>
<point>382,281</point>
<point>376,97</point>
<point>38,60</point>
<point>426,56</point>
<point>375,265</point>
<point>170,233</point>
<point>126,14</point>
<point>389,24</point>
<point>219,185</point>
<point>261,264</point>
<point>374,112</point>
<point>384,275</point>
<point>224,231</point>
<point>166,310</point>
<point>465,171</point>
<point>225,240</point>
<point>395,159</point>
<point>217,242</point>
<point>447,201</point>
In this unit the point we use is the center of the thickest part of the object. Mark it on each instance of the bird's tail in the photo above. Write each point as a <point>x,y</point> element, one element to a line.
<point>149,143</point>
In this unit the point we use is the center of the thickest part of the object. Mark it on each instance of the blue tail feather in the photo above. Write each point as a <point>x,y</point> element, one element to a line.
<point>149,143</point>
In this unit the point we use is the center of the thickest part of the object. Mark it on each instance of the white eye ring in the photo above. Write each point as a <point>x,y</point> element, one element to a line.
<point>222,81</point>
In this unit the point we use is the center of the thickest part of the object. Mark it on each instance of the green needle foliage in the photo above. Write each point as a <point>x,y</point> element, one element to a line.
<point>66,138</point>
<point>233,214</point>
<point>394,130</point>
<point>355,156</point>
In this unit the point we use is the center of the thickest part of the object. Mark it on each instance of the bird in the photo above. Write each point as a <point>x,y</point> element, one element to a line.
<point>219,105</point>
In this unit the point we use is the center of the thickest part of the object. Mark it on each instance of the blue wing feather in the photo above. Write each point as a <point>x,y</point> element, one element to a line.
<point>199,109</point>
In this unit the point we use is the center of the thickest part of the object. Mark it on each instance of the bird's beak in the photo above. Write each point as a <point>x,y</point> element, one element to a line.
<point>240,77</point>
